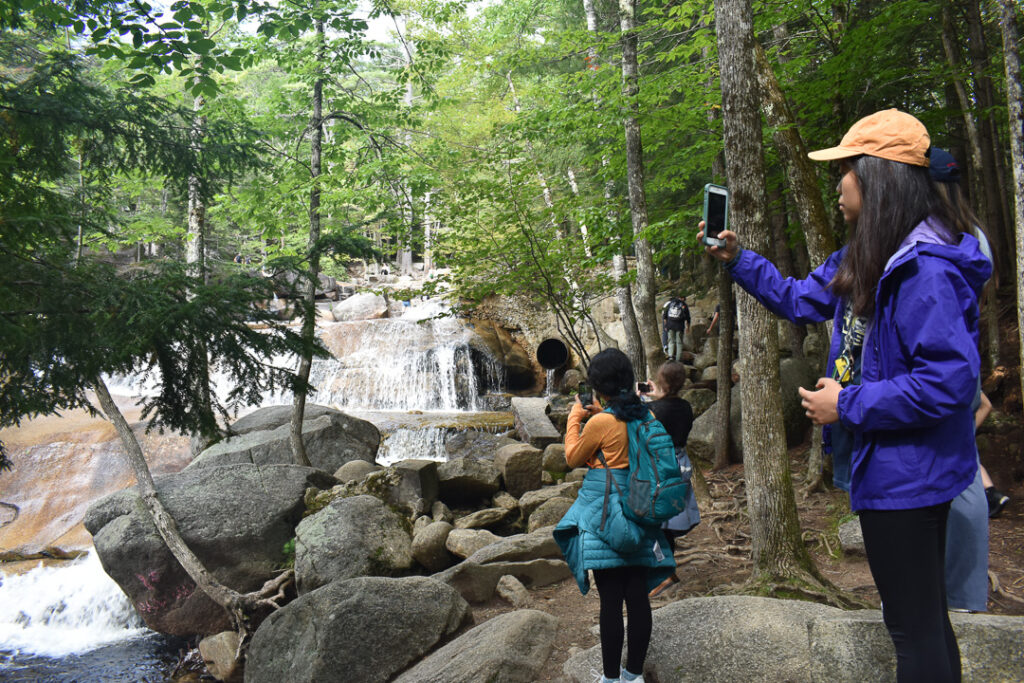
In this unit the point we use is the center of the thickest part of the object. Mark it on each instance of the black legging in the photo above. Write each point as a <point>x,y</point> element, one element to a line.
<point>615,586</point>
<point>906,551</point>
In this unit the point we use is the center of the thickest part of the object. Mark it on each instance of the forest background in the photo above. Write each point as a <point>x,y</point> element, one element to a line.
<point>545,148</point>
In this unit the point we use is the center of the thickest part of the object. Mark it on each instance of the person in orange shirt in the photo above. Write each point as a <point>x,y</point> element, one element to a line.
<point>627,560</point>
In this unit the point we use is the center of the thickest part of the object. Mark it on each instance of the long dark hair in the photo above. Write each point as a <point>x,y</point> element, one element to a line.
<point>964,217</point>
<point>611,375</point>
<point>895,197</point>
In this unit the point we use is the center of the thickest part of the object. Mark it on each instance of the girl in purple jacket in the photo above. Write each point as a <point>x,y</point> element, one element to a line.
<point>902,370</point>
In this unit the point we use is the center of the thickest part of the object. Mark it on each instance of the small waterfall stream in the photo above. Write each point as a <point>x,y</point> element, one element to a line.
<point>417,377</point>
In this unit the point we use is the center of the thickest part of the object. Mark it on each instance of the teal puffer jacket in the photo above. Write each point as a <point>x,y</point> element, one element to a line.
<point>620,543</point>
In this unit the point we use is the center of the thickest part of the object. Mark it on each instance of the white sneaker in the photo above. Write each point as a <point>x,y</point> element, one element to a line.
<point>639,678</point>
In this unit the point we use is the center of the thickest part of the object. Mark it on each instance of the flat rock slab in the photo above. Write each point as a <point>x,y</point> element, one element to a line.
<point>532,422</point>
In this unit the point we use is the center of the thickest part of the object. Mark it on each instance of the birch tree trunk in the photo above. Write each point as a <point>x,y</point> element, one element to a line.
<point>779,554</point>
<point>646,312</point>
<point>623,292</point>
<point>1015,108</point>
<point>309,300</point>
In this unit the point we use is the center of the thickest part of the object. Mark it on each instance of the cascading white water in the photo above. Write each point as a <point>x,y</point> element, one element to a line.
<point>423,444</point>
<point>56,611</point>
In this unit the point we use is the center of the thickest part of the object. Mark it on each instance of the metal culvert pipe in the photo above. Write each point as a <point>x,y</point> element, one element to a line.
<point>552,354</point>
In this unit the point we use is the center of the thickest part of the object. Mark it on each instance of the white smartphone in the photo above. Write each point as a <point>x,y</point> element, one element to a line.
<point>716,214</point>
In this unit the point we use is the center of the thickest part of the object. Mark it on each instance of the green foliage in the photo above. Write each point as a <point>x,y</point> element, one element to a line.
<point>288,553</point>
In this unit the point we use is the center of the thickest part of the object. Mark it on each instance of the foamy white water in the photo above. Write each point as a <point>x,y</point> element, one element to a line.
<point>71,609</point>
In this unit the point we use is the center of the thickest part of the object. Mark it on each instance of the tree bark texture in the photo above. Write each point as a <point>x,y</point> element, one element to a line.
<point>646,312</point>
<point>726,335</point>
<point>623,292</point>
<point>777,547</point>
<point>1015,109</point>
<point>309,300</point>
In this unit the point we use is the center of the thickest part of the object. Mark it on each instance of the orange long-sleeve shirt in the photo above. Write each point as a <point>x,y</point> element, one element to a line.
<point>601,432</point>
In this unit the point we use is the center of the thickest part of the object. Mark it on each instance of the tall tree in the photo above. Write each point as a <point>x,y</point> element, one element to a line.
<point>1015,111</point>
<point>779,555</point>
<point>646,311</point>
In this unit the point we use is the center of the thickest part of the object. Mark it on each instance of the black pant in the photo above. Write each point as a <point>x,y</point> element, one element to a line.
<point>906,551</point>
<point>617,586</point>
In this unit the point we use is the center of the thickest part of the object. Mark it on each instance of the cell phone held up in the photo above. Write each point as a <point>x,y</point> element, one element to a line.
<point>716,214</point>
<point>643,387</point>
<point>585,394</point>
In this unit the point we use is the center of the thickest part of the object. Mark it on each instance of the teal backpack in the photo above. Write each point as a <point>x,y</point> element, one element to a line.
<point>657,488</point>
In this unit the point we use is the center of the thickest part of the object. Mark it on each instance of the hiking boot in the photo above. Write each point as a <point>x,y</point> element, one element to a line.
<point>997,500</point>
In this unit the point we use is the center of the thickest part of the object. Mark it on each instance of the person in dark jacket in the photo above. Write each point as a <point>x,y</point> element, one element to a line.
<point>676,415</point>
<point>627,560</point>
<point>902,371</point>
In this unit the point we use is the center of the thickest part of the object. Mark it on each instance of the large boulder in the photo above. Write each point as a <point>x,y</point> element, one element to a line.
<point>464,481</point>
<point>362,306</point>
<point>332,439</point>
<point>700,399</point>
<point>849,647</point>
<point>510,648</point>
<point>428,546</point>
<point>532,500</point>
<point>548,514</point>
<point>236,518</point>
<point>553,459</point>
<point>477,582</point>
<point>351,537</point>
<point>729,638</point>
<point>520,466</point>
<point>532,422</point>
<point>795,373</point>
<point>475,445</point>
<point>464,542</point>
<point>366,629</point>
<point>536,545</point>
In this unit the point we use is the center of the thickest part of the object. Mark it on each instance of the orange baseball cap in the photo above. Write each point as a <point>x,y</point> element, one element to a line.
<point>890,134</point>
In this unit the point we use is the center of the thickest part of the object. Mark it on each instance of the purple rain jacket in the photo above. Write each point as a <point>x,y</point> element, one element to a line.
<point>911,419</point>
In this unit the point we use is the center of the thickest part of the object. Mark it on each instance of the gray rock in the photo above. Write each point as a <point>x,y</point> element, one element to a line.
<point>477,582</point>
<point>331,440</point>
<point>349,538</point>
<point>700,444</point>
<point>546,479</point>
<point>428,547</point>
<point>531,500</point>
<point>719,639</point>
<point>481,519</point>
<point>356,470</point>
<point>421,523</point>
<point>464,481</point>
<point>520,466</point>
<point>439,512</point>
<point>239,537</point>
<point>699,399</point>
<point>553,459</point>
<point>535,545</point>
<point>851,538</point>
<point>511,590</point>
<point>272,417</point>
<point>348,630</point>
<point>570,381</point>
<point>510,648</point>
<point>548,514</point>
<point>532,422</point>
<point>362,306</point>
<point>475,445</point>
<point>576,475</point>
<point>464,542</point>
<point>708,355</point>
<point>417,487</point>
<point>848,647</point>
<point>709,374</point>
<point>220,655</point>
<point>502,499</point>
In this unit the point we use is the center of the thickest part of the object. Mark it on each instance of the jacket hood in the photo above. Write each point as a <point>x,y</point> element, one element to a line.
<point>931,237</point>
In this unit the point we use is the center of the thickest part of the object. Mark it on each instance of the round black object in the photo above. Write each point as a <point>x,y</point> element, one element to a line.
<point>552,353</point>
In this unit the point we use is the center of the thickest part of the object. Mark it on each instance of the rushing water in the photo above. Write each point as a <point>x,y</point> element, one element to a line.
<point>417,377</point>
<point>73,623</point>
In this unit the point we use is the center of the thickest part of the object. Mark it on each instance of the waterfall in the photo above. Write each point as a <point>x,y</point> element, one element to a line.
<point>56,611</point>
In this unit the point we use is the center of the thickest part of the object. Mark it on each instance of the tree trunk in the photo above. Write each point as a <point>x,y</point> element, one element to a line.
<point>778,550</point>
<point>726,327</point>
<point>623,292</point>
<point>646,312</point>
<point>1015,109</point>
<point>309,301</point>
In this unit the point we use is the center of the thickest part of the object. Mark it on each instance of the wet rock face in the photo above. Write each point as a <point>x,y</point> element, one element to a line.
<point>238,537</point>
<point>495,341</point>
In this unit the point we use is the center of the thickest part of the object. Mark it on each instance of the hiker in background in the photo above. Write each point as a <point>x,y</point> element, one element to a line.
<point>627,559</point>
<point>676,415</point>
<point>675,318</point>
<point>945,171</point>
<point>903,368</point>
<point>714,319</point>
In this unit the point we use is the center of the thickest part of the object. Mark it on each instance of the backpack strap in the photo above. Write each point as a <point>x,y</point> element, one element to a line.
<point>608,481</point>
